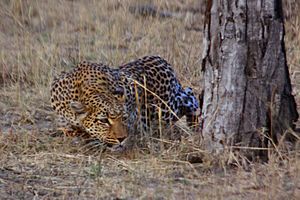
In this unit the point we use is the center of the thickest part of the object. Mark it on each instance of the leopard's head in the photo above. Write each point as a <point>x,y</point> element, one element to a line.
<point>105,122</point>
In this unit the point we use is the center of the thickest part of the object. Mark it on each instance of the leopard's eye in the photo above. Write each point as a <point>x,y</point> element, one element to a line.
<point>102,120</point>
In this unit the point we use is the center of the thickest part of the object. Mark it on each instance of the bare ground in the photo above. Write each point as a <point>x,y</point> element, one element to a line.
<point>39,39</point>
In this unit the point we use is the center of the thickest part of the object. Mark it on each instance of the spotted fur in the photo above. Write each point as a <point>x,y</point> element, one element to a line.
<point>151,87</point>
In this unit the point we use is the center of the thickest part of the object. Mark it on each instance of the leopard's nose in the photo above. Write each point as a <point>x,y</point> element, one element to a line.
<point>121,139</point>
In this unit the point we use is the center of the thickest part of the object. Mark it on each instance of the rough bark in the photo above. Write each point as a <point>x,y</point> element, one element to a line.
<point>247,89</point>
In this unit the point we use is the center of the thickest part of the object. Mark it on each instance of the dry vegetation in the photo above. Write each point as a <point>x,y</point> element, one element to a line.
<point>38,39</point>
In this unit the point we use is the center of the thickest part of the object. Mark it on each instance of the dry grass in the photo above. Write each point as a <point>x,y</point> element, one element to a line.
<point>38,39</point>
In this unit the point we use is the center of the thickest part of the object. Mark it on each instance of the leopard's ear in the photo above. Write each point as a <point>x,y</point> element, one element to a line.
<point>79,109</point>
<point>119,93</point>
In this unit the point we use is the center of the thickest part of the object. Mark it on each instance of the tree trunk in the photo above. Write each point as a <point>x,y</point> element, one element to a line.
<point>247,89</point>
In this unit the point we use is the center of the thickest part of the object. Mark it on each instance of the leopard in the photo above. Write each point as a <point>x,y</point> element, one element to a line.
<point>112,103</point>
<point>154,97</point>
<point>88,100</point>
